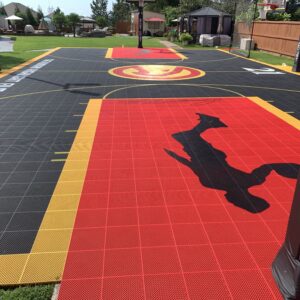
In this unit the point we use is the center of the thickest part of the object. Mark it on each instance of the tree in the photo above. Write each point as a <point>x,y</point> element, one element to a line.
<point>171,13</point>
<point>21,24</point>
<point>190,5</point>
<point>99,8</point>
<point>120,12</point>
<point>73,20</point>
<point>2,10</point>
<point>40,14</point>
<point>59,19</point>
<point>101,21</point>
<point>30,18</point>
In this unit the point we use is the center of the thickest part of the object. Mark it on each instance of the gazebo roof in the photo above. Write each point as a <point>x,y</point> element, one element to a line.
<point>207,11</point>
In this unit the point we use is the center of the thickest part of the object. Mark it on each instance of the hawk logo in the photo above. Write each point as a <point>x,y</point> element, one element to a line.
<point>156,72</point>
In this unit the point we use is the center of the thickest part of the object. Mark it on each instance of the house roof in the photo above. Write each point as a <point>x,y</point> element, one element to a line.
<point>207,11</point>
<point>87,20</point>
<point>154,20</point>
<point>11,9</point>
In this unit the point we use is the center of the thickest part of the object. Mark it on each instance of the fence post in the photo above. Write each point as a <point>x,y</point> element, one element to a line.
<point>286,266</point>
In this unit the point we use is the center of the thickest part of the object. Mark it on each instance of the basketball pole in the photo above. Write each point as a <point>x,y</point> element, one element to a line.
<point>141,21</point>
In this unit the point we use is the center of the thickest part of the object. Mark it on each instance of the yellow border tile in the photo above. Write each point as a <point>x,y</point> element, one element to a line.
<point>45,262</point>
<point>276,111</point>
<point>109,53</point>
<point>177,53</point>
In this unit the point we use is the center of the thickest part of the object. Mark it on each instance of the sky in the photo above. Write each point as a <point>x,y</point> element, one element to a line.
<point>81,7</point>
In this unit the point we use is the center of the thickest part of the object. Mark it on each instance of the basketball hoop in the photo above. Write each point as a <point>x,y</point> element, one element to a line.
<point>140,4</point>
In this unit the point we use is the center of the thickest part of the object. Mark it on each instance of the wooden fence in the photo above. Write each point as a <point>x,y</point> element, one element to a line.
<point>122,27</point>
<point>276,37</point>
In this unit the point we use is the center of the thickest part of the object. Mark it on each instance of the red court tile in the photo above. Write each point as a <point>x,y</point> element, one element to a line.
<point>145,53</point>
<point>160,260</point>
<point>79,289</point>
<point>123,288</point>
<point>197,259</point>
<point>167,287</point>
<point>150,225</point>
<point>122,262</point>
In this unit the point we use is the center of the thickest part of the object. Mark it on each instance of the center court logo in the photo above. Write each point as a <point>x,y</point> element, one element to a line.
<point>156,72</point>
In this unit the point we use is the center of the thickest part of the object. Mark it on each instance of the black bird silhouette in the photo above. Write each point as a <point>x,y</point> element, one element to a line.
<point>213,170</point>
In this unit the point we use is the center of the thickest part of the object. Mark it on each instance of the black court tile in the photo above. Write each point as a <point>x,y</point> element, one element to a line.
<point>47,176</point>
<point>28,166</point>
<point>13,189</point>
<point>34,204</point>
<point>3,177</point>
<point>25,221</point>
<point>17,242</point>
<point>11,157</point>
<point>4,220</point>
<point>34,157</point>
<point>7,167</point>
<point>9,204</point>
<point>21,177</point>
<point>41,189</point>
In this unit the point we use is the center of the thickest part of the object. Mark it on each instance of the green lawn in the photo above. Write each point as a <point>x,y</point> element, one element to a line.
<point>38,292</point>
<point>271,58</point>
<point>24,44</point>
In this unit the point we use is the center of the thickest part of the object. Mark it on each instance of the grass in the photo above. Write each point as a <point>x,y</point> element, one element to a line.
<point>271,58</point>
<point>25,44</point>
<point>37,292</point>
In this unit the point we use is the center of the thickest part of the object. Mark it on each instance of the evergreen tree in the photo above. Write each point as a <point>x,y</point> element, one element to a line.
<point>59,19</point>
<point>40,14</point>
<point>120,12</point>
<point>99,8</point>
<point>73,19</point>
<point>2,10</point>
<point>22,23</point>
<point>30,18</point>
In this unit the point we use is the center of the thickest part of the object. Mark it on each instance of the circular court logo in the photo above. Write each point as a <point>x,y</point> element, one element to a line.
<point>156,72</point>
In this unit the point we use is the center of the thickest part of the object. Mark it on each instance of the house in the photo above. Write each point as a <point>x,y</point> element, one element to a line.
<point>206,20</point>
<point>10,9</point>
<point>87,24</point>
<point>154,23</point>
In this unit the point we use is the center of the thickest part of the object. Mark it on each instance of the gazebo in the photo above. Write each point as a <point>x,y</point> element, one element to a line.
<point>206,20</point>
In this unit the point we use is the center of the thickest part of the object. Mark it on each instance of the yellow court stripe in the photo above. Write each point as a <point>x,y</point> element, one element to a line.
<point>177,53</point>
<point>27,63</point>
<point>277,112</point>
<point>286,69</point>
<point>109,53</point>
<point>45,262</point>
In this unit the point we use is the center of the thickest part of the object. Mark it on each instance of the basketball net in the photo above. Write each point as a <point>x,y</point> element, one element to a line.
<point>141,3</point>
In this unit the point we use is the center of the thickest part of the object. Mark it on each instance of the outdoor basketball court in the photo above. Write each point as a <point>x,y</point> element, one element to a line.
<point>147,173</point>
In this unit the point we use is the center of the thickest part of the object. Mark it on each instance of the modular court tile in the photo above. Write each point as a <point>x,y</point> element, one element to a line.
<point>143,53</point>
<point>188,204</point>
<point>129,187</point>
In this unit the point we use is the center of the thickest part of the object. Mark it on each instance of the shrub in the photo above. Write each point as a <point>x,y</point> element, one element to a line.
<point>185,37</point>
<point>172,35</point>
<point>296,15</point>
<point>13,38</point>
